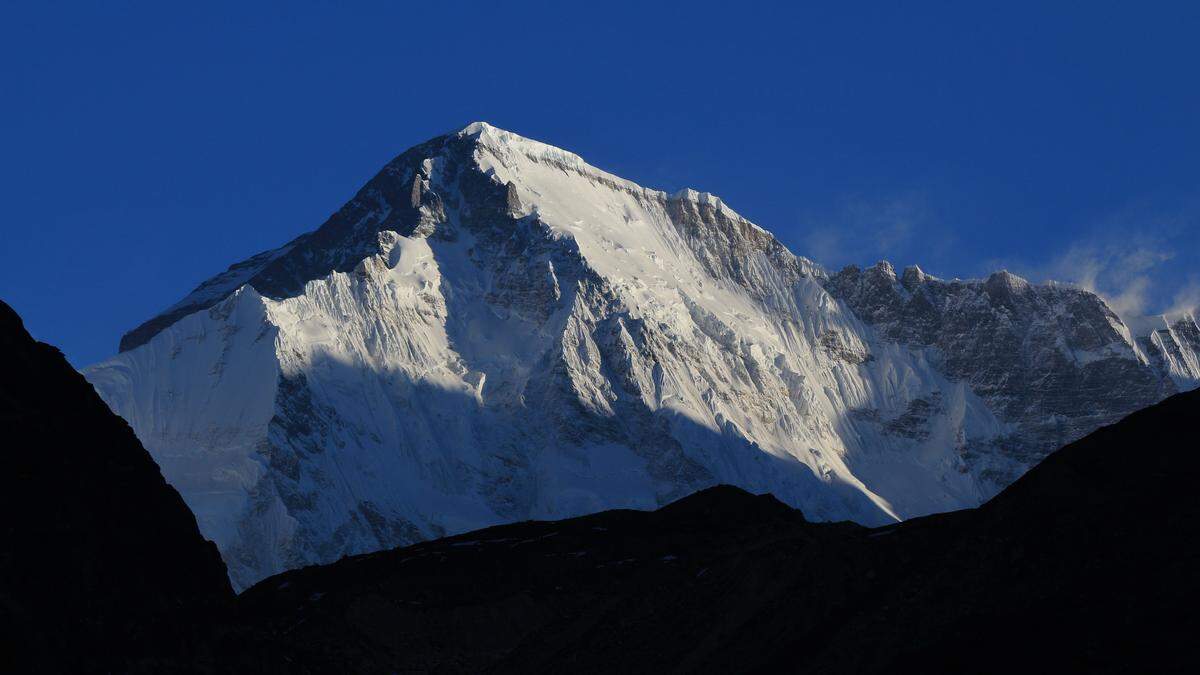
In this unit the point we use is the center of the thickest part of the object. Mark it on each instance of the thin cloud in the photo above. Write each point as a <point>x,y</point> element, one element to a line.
<point>1140,260</point>
<point>863,230</point>
<point>1120,272</point>
<point>1187,298</point>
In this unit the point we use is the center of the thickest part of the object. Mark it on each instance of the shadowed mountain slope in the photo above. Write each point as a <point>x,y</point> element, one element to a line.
<point>99,557</point>
<point>1083,565</point>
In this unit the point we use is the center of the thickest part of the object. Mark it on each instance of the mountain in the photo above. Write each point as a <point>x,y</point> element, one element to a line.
<point>100,560</point>
<point>493,330</point>
<point>1084,564</point>
<point>1050,360</point>
<point>1171,342</point>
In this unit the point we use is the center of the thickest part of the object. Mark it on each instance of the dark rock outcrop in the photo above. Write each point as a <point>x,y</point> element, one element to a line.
<point>102,566</point>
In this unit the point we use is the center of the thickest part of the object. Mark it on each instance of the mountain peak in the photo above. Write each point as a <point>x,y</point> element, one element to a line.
<point>915,276</point>
<point>885,268</point>
<point>492,329</point>
<point>1007,281</point>
<point>475,128</point>
<point>502,140</point>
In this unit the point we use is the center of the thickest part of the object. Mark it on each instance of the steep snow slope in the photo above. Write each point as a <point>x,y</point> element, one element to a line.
<point>493,330</point>
<point>1171,343</point>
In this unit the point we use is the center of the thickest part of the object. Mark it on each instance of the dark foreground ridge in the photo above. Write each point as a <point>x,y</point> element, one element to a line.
<point>102,565</point>
<point>1086,564</point>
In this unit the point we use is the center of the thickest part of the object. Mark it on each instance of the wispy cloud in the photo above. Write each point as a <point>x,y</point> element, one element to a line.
<point>861,229</point>
<point>1120,272</point>
<point>1187,298</point>
<point>1142,260</point>
<point>1139,262</point>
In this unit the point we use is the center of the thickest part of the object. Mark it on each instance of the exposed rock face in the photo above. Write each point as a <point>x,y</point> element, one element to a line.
<point>102,566</point>
<point>492,330</point>
<point>1053,361</point>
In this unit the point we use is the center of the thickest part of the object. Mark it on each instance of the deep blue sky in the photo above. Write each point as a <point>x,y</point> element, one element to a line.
<point>147,147</point>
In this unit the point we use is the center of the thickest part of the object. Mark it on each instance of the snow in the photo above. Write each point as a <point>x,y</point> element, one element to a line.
<point>204,392</point>
<point>1170,341</point>
<point>608,346</point>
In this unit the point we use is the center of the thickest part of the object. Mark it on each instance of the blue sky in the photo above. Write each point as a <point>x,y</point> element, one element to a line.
<point>147,147</point>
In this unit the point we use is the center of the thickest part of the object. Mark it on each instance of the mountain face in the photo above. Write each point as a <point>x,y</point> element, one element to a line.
<point>493,330</point>
<point>100,560</point>
<point>1076,567</point>
<point>1052,361</point>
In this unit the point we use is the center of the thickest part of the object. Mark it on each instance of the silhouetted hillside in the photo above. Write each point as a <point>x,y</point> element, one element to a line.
<point>101,563</point>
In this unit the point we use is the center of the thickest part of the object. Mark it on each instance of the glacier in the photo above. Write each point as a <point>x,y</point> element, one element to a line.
<point>493,330</point>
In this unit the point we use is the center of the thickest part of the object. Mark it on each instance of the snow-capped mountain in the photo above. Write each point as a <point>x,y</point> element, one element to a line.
<point>493,330</point>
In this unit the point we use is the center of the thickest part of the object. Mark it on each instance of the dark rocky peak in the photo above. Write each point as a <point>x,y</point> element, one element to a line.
<point>872,293</point>
<point>1005,287</point>
<point>914,276</point>
<point>880,275</point>
<point>883,270</point>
